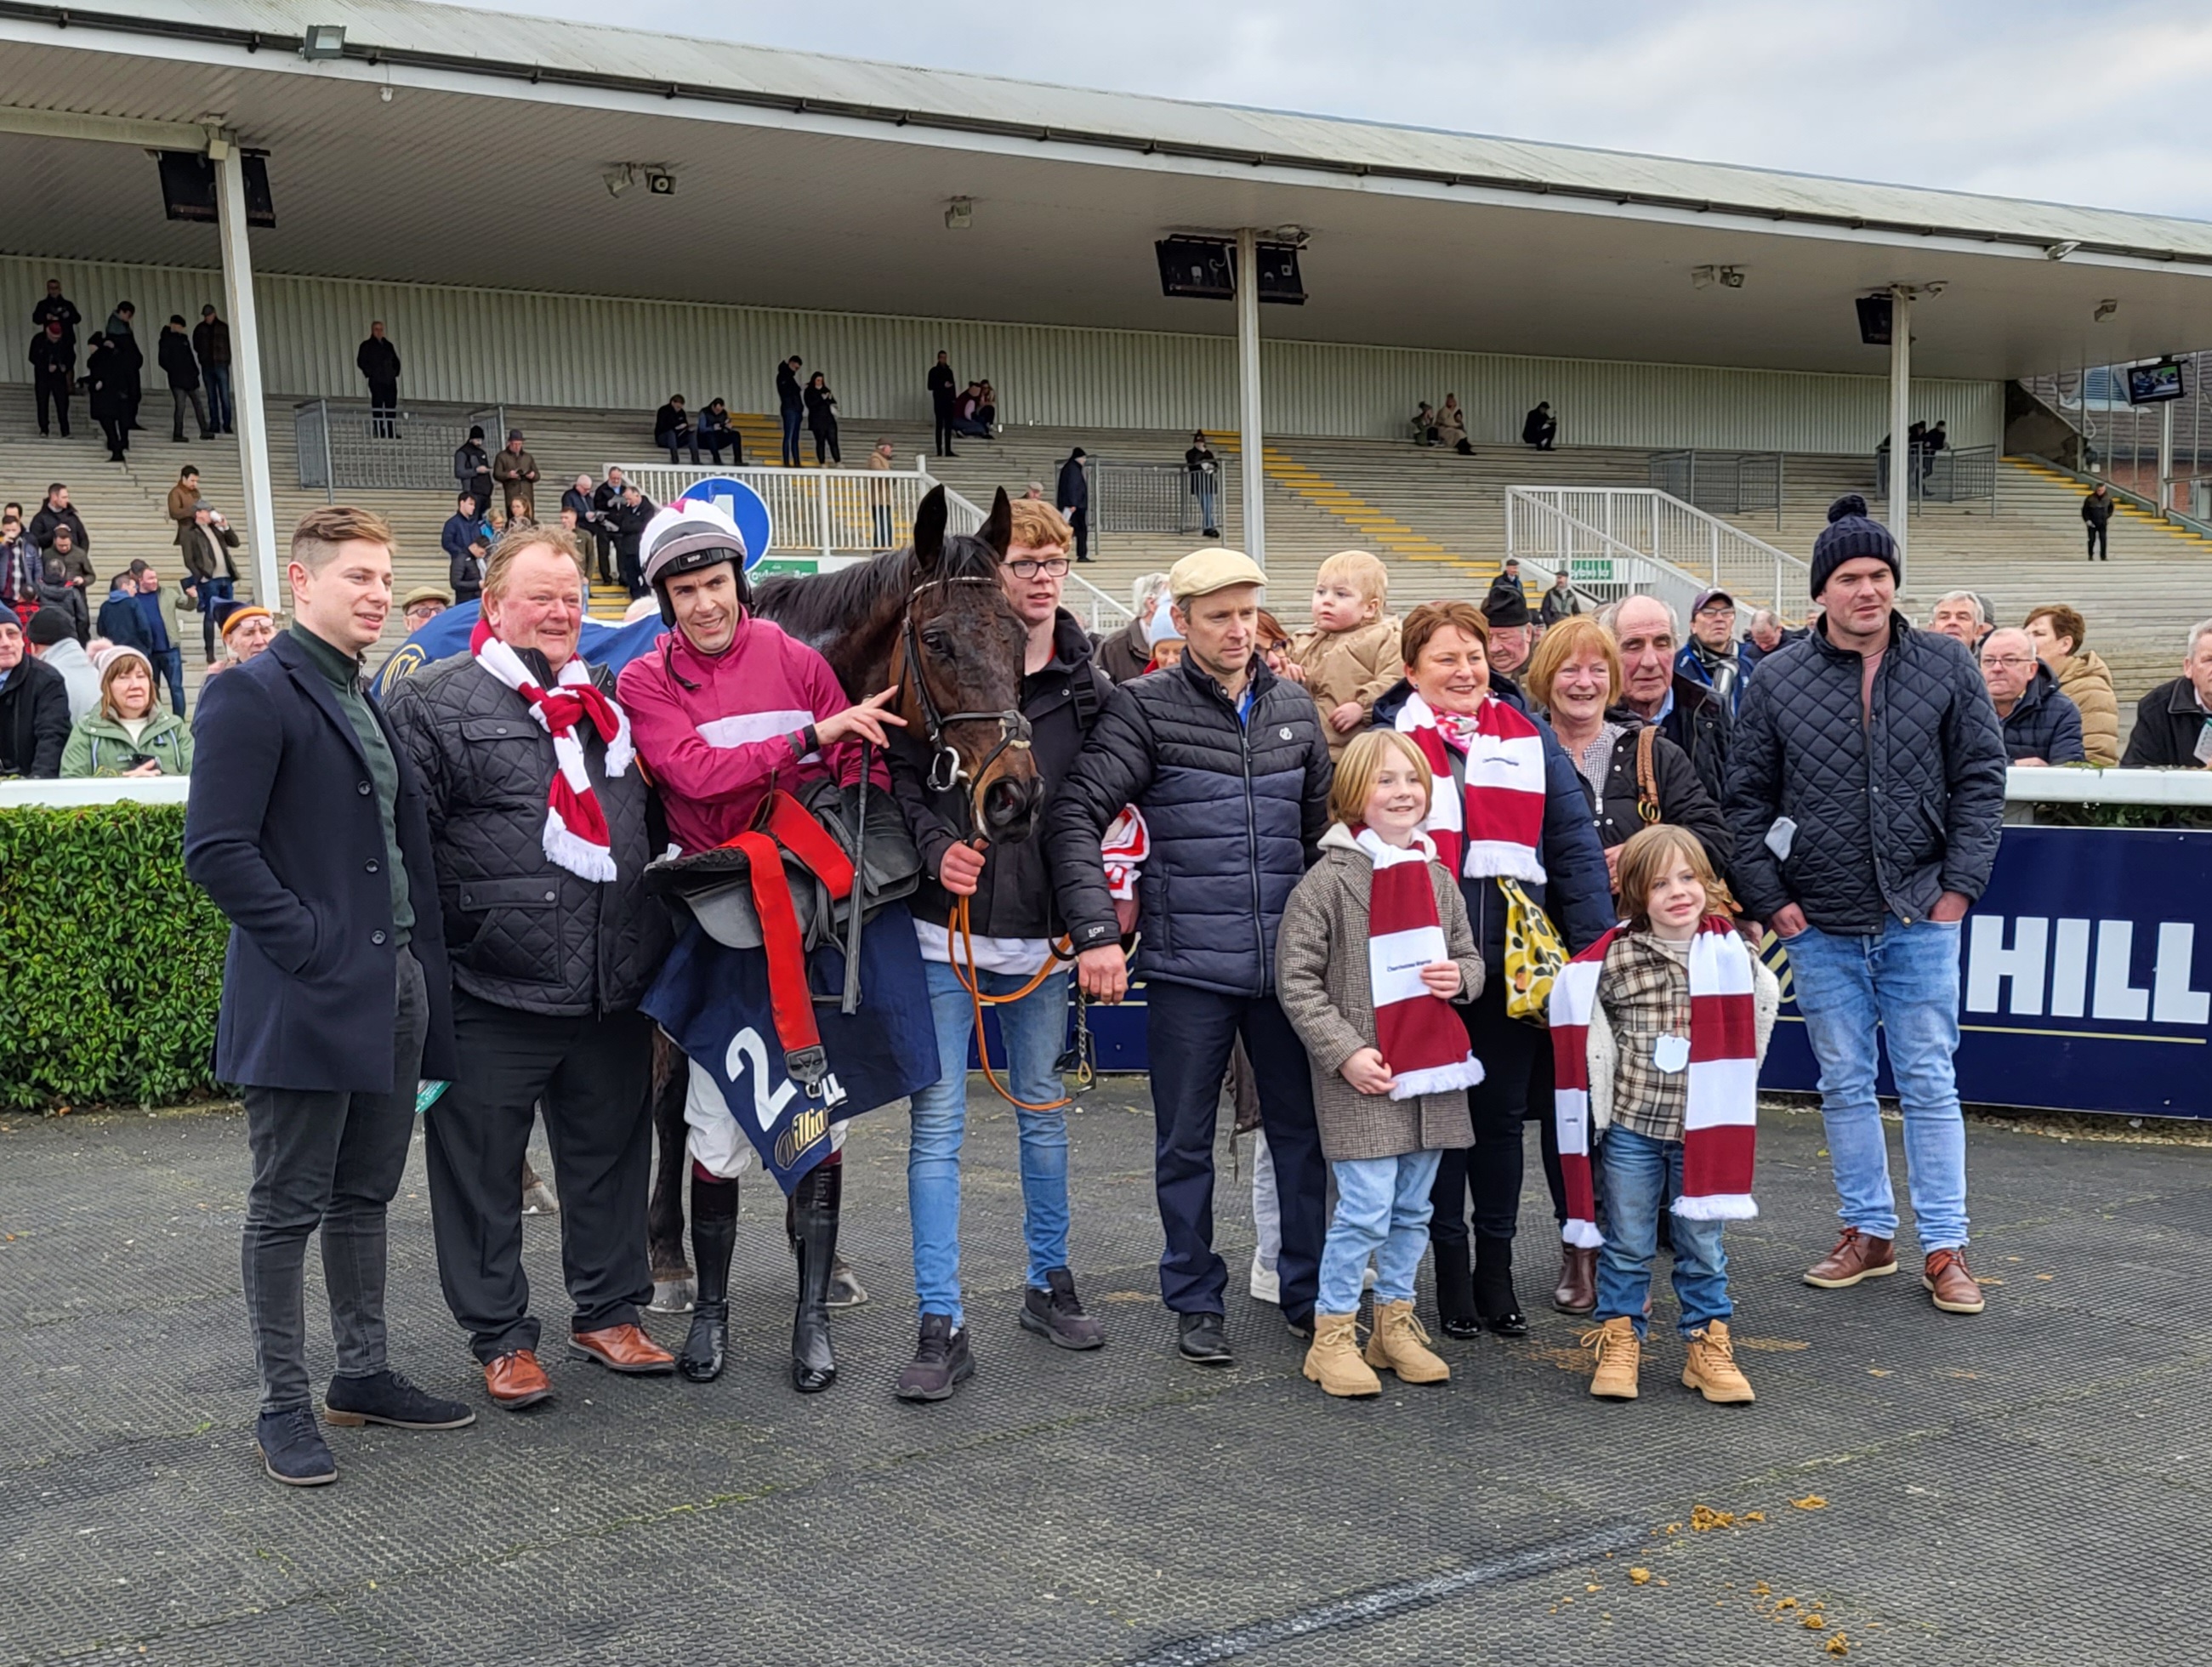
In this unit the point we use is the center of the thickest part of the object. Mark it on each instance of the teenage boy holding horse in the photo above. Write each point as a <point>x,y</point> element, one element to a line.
<point>987,915</point>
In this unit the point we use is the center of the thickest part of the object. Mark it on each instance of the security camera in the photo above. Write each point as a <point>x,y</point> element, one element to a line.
<point>959,214</point>
<point>1731,277</point>
<point>2105,308</point>
<point>659,182</point>
<point>1937,288</point>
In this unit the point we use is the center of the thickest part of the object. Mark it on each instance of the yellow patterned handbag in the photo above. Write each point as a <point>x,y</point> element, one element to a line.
<point>1533,955</point>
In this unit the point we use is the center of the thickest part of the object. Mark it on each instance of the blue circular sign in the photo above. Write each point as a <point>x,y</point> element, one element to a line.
<point>743,505</point>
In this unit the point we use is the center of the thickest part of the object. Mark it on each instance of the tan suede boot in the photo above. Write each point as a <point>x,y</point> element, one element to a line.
<point>1619,1352</point>
<point>1333,1360</point>
<point>1399,1345</point>
<point>1709,1367</point>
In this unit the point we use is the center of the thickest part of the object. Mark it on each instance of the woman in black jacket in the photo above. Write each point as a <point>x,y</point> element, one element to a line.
<point>821,420</point>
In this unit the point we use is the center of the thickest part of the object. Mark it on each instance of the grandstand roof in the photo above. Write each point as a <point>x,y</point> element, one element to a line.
<point>812,180</point>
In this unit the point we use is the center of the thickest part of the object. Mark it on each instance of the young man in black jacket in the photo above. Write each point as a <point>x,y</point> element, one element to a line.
<point>1228,765</point>
<point>182,366</point>
<point>791,406</point>
<point>378,361</point>
<point>1014,917</point>
<point>1866,788</point>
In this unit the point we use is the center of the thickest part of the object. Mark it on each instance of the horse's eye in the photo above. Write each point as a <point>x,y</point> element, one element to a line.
<point>938,642</point>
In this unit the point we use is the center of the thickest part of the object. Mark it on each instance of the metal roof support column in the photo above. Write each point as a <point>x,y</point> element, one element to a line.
<point>1248,385</point>
<point>1902,462</point>
<point>252,417</point>
<point>2165,455</point>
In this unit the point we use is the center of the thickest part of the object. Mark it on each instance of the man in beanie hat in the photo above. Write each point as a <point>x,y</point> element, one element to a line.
<point>52,639</point>
<point>1228,764</point>
<point>1865,791</point>
<point>1505,611</point>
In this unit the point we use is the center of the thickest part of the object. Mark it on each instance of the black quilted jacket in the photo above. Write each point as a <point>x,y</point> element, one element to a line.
<point>522,932</point>
<point>1888,816</point>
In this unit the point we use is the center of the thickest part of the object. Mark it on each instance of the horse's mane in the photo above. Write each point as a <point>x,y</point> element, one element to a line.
<point>814,608</point>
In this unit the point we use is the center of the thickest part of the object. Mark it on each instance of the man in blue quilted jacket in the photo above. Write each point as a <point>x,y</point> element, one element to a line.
<point>1228,764</point>
<point>1865,790</point>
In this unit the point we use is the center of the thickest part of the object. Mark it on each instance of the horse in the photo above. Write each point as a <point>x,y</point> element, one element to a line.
<point>932,619</point>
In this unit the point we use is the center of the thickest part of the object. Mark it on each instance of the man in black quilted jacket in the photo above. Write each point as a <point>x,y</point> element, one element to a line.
<point>1228,764</point>
<point>537,815</point>
<point>1866,786</point>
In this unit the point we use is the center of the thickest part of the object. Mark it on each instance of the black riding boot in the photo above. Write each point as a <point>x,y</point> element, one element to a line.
<point>714,1238</point>
<point>1455,1290</point>
<point>1494,1287</point>
<point>814,1209</point>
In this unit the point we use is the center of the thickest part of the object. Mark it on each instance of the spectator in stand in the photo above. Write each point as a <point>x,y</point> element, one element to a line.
<point>22,564</point>
<point>1423,425</point>
<point>672,429</point>
<point>1560,601</point>
<point>1451,427</point>
<point>246,630</point>
<point>987,407</point>
<point>1165,638</point>
<point>1506,583</point>
<point>791,406</point>
<point>212,347</point>
<point>1071,496</point>
<point>422,604</point>
<point>57,308</point>
<point>465,544</point>
<point>1511,634</point>
<point>53,373</point>
<point>1652,690</point>
<point>1865,797</point>
<point>130,360</point>
<point>1763,637</point>
<point>879,462</point>
<point>473,468</point>
<point>1935,439</point>
<point>2096,517</point>
<point>2084,678</point>
<point>52,638</point>
<point>1124,654</point>
<point>107,378</point>
<point>34,707</point>
<point>516,471</point>
<point>630,518</point>
<point>582,518</point>
<point>1034,491</point>
<point>606,498</point>
<point>208,540</point>
<point>716,431</point>
<point>56,513</point>
<point>967,417</point>
<point>1710,656</point>
<point>1539,427</point>
<point>378,361</point>
<point>822,421</point>
<point>61,587</point>
<point>1350,658</point>
<point>182,367</point>
<point>2173,722</point>
<point>1204,472</point>
<point>127,734</point>
<point>1958,615</point>
<point>2041,725</point>
<point>943,397</point>
<point>134,615</point>
<point>184,498</point>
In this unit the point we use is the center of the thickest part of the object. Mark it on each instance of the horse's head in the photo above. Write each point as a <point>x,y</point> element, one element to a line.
<point>963,645</point>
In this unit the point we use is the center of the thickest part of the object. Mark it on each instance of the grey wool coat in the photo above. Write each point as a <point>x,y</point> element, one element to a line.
<point>1321,979</point>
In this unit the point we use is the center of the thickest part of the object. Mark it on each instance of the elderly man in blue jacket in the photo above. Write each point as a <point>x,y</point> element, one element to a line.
<point>307,827</point>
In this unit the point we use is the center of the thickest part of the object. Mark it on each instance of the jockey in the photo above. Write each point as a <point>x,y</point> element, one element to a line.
<point>725,708</point>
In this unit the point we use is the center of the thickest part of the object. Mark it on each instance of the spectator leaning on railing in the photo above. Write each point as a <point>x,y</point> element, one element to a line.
<point>2173,722</point>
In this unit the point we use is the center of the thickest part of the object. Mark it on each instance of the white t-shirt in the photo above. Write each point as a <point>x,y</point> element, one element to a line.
<point>1017,957</point>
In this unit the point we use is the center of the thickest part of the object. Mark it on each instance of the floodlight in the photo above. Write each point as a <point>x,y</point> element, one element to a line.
<point>323,40</point>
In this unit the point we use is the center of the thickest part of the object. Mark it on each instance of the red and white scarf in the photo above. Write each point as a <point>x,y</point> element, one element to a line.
<point>576,835</point>
<point>1418,1035</point>
<point>1493,830</point>
<point>1719,1125</point>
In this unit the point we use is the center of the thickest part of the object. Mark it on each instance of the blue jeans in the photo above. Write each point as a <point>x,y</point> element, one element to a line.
<point>1204,492</point>
<point>1383,1211</point>
<point>216,379</point>
<point>1640,1174</point>
<point>207,593</point>
<point>1906,979</point>
<point>792,419</point>
<point>1033,1031</point>
<point>170,663</point>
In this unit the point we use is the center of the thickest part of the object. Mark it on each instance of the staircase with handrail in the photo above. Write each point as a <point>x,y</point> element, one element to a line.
<point>1615,540</point>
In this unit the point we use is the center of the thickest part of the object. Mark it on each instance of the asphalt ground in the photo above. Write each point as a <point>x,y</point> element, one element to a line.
<point>2026,1487</point>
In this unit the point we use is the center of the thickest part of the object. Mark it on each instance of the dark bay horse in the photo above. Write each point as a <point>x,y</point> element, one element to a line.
<point>932,619</point>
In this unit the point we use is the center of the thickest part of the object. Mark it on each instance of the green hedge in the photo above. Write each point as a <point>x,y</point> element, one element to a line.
<point>111,961</point>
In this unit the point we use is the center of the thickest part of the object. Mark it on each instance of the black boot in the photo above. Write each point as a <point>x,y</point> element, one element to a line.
<point>1494,1287</point>
<point>714,1238</point>
<point>1455,1290</point>
<point>814,1215</point>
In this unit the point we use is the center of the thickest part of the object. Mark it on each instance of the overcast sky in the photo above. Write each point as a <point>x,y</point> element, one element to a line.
<point>2094,103</point>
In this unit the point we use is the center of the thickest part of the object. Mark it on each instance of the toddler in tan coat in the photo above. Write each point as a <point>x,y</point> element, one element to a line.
<point>1351,656</point>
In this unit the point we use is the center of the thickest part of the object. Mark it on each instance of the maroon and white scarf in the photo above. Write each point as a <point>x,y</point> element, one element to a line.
<point>576,835</point>
<point>1418,1035</point>
<point>1719,1125</point>
<point>1495,829</point>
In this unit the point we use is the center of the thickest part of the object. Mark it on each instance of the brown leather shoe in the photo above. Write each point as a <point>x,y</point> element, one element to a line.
<point>1858,1256</point>
<point>1576,1290</point>
<point>1953,1289</point>
<point>622,1348</point>
<point>515,1380</point>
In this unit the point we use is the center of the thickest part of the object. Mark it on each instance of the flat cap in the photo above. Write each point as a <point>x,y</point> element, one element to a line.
<point>1204,571</point>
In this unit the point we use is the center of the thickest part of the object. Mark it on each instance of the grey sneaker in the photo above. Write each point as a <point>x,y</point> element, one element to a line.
<point>1056,1315</point>
<point>940,1362</point>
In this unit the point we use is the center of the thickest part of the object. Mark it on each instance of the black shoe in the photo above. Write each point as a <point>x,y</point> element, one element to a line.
<point>388,1398</point>
<point>813,1363</point>
<point>1300,1328</point>
<point>941,1362</point>
<point>1494,1299</point>
<point>713,1241</point>
<point>293,1451</point>
<point>1199,1339</point>
<point>707,1343</point>
<point>1454,1291</point>
<point>1056,1315</point>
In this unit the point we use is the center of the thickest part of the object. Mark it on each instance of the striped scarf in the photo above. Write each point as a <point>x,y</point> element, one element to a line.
<point>1495,829</point>
<point>1420,1038</point>
<point>576,836</point>
<point>1719,1123</point>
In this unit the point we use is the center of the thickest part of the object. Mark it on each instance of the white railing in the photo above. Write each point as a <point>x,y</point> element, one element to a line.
<point>1098,611</point>
<point>1547,540</point>
<point>1677,535</point>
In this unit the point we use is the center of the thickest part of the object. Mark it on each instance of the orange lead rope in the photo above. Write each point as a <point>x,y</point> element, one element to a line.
<point>973,983</point>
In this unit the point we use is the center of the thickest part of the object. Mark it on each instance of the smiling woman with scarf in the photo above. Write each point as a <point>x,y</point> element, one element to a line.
<point>1507,805</point>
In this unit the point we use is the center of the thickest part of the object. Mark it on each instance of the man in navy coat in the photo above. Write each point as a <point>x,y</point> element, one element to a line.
<point>306,825</point>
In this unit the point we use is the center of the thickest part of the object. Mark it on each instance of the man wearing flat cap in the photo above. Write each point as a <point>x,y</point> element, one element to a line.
<point>423,604</point>
<point>1228,766</point>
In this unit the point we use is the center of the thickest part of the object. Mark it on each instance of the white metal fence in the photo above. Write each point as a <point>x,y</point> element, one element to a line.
<point>1603,532</point>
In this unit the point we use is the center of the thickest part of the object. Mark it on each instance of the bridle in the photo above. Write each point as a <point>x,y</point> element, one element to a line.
<point>945,769</point>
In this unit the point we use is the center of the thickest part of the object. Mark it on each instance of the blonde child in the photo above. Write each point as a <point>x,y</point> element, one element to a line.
<point>1351,656</point>
<point>1374,948</point>
<point>1675,1099</point>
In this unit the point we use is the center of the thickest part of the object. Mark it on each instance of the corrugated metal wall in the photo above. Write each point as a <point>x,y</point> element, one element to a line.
<point>545,349</point>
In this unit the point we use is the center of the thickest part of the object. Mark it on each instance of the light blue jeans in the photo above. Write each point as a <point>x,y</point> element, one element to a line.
<point>1639,1175</point>
<point>1383,1211</point>
<point>1906,978</point>
<point>1034,1029</point>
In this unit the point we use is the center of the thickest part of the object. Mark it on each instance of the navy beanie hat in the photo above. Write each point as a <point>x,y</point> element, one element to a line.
<point>1850,534</point>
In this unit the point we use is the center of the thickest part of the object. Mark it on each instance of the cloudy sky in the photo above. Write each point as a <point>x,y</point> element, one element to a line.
<point>2100,101</point>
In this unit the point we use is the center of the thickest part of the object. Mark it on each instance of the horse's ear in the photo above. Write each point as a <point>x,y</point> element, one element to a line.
<point>998,529</point>
<point>929,530</point>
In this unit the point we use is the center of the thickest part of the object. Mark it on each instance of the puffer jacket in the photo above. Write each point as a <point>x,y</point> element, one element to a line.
<point>521,931</point>
<point>1236,812</point>
<point>2043,724</point>
<point>1888,815</point>
<point>2085,679</point>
